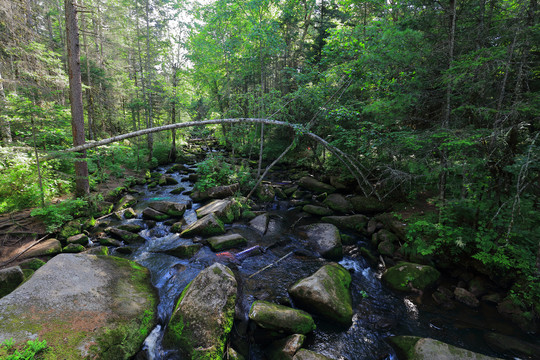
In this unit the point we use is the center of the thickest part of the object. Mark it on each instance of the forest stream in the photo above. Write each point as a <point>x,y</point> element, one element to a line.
<point>378,311</point>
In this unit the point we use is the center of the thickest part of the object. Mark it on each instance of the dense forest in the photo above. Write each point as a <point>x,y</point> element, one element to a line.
<point>433,102</point>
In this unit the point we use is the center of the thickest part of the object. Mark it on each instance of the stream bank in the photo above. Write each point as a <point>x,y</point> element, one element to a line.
<point>279,230</point>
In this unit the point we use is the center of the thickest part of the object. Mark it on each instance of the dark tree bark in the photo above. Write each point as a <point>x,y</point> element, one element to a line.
<point>75,97</point>
<point>4,124</point>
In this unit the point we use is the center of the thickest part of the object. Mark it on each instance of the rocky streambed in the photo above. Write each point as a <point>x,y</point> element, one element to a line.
<point>306,272</point>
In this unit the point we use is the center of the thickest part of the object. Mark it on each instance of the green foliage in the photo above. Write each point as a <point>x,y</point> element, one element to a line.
<point>33,350</point>
<point>215,171</point>
<point>55,215</point>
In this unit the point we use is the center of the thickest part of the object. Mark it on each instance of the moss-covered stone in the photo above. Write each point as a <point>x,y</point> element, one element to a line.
<point>81,239</point>
<point>351,222</point>
<point>105,311</point>
<point>304,354</point>
<point>248,215</point>
<point>284,349</point>
<point>339,203</point>
<point>265,193</point>
<point>207,226</point>
<point>132,228</point>
<point>98,250</point>
<point>281,318</point>
<point>184,251</point>
<point>203,316</point>
<point>10,278</point>
<point>152,214</point>
<point>317,210</point>
<point>405,276</point>
<point>178,190</point>
<point>428,349</point>
<point>403,344</point>
<point>173,209</point>
<point>326,293</point>
<point>314,185</point>
<point>325,239</point>
<point>73,227</point>
<point>125,202</point>
<point>73,248</point>
<point>225,242</point>
<point>368,205</point>
<point>32,264</point>
<point>27,273</point>
<point>45,248</point>
<point>125,236</point>
<point>222,210</point>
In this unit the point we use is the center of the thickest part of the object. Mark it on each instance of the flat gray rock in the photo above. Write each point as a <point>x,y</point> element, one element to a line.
<point>74,298</point>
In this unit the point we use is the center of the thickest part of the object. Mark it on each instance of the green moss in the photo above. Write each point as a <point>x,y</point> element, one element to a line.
<point>418,276</point>
<point>281,318</point>
<point>403,345</point>
<point>32,264</point>
<point>73,248</point>
<point>27,273</point>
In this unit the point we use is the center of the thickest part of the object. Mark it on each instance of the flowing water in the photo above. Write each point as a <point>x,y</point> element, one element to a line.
<point>378,312</point>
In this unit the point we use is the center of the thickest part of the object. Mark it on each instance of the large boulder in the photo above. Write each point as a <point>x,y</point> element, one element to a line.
<point>204,314</point>
<point>222,209</point>
<point>225,242</point>
<point>415,348</point>
<point>84,306</point>
<point>326,293</point>
<point>171,208</point>
<point>338,203</point>
<point>10,278</point>
<point>314,185</point>
<point>351,222</point>
<point>281,318</point>
<point>326,240</point>
<point>48,247</point>
<point>207,226</point>
<point>407,276</point>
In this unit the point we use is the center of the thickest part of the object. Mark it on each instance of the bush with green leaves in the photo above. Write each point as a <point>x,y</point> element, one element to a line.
<point>19,182</point>
<point>32,350</point>
<point>55,215</point>
<point>215,171</point>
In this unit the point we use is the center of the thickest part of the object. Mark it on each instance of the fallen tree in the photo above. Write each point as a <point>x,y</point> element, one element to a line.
<point>361,179</point>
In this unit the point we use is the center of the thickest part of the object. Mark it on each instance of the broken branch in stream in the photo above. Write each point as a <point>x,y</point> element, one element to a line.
<point>270,265</point>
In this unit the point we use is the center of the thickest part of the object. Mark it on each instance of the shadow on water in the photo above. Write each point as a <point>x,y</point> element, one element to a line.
<point>378,312</point>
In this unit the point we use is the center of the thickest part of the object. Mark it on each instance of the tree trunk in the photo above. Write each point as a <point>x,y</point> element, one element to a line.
<point>89,101</point>
<point>75,97</point>
<point>149,79</point>
<point>5,129</point>
<point>172,153</point>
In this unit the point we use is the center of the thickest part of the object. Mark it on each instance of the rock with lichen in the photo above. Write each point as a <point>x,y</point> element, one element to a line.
<point>204,314</point>
<point>84,306</point>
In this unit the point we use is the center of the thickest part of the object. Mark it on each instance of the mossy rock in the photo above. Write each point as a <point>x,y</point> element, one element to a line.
<point>326,293</point>
<point>314,185</point>
<point>414,348</point>
<point>170,208</point>
<point>48,247</point>
<point>32,264</point>
<point>207,226</point>
<point>225,242</point>
<point>81,239</point>
<point>98,250</point>
<point>10,278</point>
<point>73,248</point>
<point>84,306</point>
<point>73,227</point>
<point>184,251</point>
<point>281,318</point>
<point>248,215</point>
<point>132,228</point>
<point>265,193</point>
<point>115,193</point>
<point>284,349</point>
<point>125,202</point>
<point>221,209</point>
<point>368,205</point>
<point>27,273</point>
<point>350,222</point>
<point>178,190</point>
<point>339,203</point>
<point>326,240</point>
<point>304,354</point>
<point>152,214</point>
<point>404,276</point>
<point>204,314</point>
<point>317,210</point>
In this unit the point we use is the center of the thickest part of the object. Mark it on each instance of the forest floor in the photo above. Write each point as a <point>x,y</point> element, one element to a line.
<point>19,230</point>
